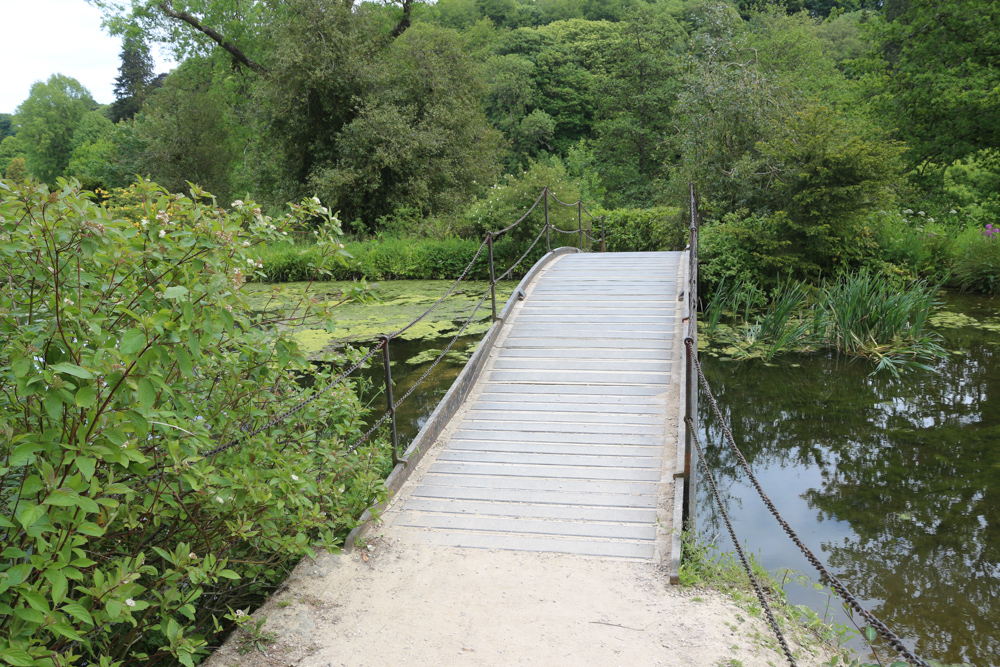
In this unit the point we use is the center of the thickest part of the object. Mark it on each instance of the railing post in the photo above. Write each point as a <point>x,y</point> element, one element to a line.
<point>493,279</point>
<point>603,247</point>
<point>548,242</point>
<point>691,334</point>
<point>579,221</point>
<point>389,399</point>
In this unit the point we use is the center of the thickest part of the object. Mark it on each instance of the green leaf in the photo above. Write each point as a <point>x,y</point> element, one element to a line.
<point>870,634</point>
<point>62,498</point>
<point>146,394</point>
<point>53,406</point>
<point>78,611</point>
<point>23,454</point>
<point>17,657</point>
<point>114,608</point>
<point>66,630</point>
<point>90,528</point>
<point>86,396</point>
<point>59,585</point>
<point>175,292</point>
<point>86,466</point>
<point>30,514</point>
<point>72,369</point>
<point>228,574</point>
<point>132,341</point>
<point>183,360</point>
<point>29,615</point>
<point>37,601</point>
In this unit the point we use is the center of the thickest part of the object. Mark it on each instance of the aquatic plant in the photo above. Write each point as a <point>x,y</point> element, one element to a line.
<point>870,316</point>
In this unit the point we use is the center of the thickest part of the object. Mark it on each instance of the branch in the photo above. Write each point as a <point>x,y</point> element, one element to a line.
<point>404,22</point>
<point>216,37</point>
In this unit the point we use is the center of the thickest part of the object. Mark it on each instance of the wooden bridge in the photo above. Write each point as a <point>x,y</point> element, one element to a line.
<point>564,432</point>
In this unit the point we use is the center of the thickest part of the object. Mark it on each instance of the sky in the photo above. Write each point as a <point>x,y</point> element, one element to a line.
<point>43,37</point>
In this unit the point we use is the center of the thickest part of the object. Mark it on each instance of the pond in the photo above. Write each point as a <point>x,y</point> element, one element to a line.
<point>893,483</point>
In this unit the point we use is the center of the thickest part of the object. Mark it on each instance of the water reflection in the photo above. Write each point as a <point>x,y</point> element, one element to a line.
<point>895,482</point>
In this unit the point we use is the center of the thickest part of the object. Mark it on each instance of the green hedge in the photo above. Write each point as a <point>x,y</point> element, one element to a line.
<point>389,258</point>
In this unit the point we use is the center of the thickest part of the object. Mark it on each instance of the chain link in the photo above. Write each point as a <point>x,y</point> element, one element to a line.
<point>530,248</point>
<point>893,640</point>
<point>739,549</point>
<point>521,219</point>
<point>450,290</point>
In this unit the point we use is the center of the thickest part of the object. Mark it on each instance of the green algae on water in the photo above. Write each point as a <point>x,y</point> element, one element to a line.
<point>396,303</point>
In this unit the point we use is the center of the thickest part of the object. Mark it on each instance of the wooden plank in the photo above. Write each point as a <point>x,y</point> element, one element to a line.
<point>533,510</point>
<point>532,458</point>
<point>603,353</point>
<point>576,417</point>
<point>600,488</point>
<point>603,409</point>
<point>512,425</point>
<point>518,542</point>
<point>588,377</point>
<point>546,472</point>
<point>521,525</point>
<point>573,449</point>
<point>606,392</point>
<point>571,438</point>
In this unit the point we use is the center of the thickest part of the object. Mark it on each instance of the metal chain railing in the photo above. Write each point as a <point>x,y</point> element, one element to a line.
<point>245,433</point>
<point>890,637</point>
<point>739,549</point>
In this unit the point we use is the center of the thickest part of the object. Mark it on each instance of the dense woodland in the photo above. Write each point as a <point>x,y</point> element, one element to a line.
<point>154,484</point>
<point>822,135</point>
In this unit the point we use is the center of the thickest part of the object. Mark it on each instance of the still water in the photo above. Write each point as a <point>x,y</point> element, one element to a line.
<point>894,483</point>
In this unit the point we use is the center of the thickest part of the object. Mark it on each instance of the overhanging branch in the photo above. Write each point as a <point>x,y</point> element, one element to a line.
<point>217,37</point>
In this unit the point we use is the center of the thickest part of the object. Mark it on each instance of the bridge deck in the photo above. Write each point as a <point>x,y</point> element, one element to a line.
<point>568,443</point>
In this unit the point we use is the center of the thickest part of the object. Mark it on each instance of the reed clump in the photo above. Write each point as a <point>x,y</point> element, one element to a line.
<point>862,315</point>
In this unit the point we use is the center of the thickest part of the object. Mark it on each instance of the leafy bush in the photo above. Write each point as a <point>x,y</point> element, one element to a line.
<point>139,505</point>
<point>644,230</point>
<point>918,245</point>
<point>977,261</point>
<point>505,203</point>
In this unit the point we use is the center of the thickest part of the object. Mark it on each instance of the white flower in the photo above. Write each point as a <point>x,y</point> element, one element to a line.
<point>163,217</point>
<point>67,302</point>
<point>219,499</point>
<point>930,219</point>
<point>237,204</point>
<point>908,211</point>
<point>130,602</point>
<point>920,213</point>
<point>240,613</point>
<point>145,223</point>
<point>953,211</point>
<point>295,478</point>
<point>163,233</point>
<point>246,244</point>
<point>315,200</point>
<point>193,556</point>
<point>250,262</point>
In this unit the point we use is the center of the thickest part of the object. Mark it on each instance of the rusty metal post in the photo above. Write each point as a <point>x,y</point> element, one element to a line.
<point>579,221</point>
<point>493,278</point>
<point>548,242</point>
<point>603,247</point>
<point>691,390</point>
<point>389,399</point>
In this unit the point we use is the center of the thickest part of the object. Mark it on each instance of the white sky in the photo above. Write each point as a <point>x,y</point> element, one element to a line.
<point>43,37</point>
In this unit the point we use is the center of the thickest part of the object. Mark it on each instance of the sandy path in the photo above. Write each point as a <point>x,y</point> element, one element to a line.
<point>428,605</point>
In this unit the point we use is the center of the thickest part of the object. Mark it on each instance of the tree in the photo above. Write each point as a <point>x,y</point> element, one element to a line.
<point>48,119</point>
<point>419,139</point>
<point>634,120</point>
<point>7,127</point>
<point>15,170</point>
<point>10,149</point>
<point>185,131</point>
<point>932,73</point>
<point>135,75</point>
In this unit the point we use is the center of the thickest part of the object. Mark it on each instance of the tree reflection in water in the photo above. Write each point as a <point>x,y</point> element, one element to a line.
<point>896,482</point>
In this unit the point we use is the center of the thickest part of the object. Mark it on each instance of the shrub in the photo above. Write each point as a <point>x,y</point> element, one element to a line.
<point>644,229</point>
<point>917,244</point>
<point>977,261</point>
<point>139,504</point>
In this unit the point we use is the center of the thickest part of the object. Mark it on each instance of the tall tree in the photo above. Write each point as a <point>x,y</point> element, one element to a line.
<point>933,72</point>
<point>7,128</point>
<point>635,113</point>
<point>47,121</point>
<point>135,75</point>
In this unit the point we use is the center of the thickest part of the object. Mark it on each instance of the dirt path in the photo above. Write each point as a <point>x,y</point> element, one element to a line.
<point>418,604</point>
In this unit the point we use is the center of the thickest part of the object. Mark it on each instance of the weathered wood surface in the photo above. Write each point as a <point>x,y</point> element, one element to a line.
<point>565,447</point>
